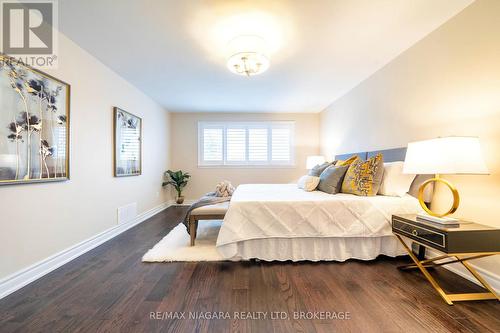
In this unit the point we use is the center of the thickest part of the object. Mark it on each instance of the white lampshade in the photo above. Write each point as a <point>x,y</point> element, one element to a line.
<point>449,155</point>
<point>312,161</point>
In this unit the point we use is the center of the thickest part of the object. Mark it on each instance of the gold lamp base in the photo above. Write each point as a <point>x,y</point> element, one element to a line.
<point>456,197</point>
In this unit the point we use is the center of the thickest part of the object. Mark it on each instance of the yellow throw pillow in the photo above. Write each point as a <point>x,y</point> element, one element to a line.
<point>364,177</point>
<point>349,161</point>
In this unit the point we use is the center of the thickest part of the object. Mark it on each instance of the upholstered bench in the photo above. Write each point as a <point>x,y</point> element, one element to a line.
<point>211,212</point>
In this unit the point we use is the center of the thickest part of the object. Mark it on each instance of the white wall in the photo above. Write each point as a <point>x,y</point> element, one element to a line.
<point>39,220</point>
<point>447,84</point>
<point>184,148</point>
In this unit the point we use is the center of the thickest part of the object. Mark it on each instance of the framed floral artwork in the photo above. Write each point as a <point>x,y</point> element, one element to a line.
<point>127,144</point>
<point>34,125</point>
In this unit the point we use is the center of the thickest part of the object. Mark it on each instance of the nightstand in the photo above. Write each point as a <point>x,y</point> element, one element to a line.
<point>460,243</point>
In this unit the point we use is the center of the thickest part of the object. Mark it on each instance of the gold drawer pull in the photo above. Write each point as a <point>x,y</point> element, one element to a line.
<point>414,232</point>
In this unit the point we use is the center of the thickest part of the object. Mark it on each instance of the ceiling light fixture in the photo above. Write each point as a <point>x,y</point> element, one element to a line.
<point>248,55</point>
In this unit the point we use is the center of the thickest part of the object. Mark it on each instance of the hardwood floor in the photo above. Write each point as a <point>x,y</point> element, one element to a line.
<point>110,290</point>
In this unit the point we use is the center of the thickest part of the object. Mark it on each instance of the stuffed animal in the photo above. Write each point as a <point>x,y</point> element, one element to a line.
<point>224,189</point>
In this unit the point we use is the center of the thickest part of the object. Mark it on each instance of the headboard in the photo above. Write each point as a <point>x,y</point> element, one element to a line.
<point>394,155</point>
<point>346,156</point>
<point>390,155</point>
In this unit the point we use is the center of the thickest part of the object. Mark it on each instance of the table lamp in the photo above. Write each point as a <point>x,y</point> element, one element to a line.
<point>312,161</point>
<point>455,155</point>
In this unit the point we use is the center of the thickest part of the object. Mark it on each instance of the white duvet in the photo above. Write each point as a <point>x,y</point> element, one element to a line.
<point>259,211</point>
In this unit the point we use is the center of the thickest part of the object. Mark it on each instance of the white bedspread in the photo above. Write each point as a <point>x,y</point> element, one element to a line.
<point>262,211</point>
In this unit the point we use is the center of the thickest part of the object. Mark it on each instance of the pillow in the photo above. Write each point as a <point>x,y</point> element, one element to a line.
<point>308,183</point>
<point>318,169</point>
<point>364,177</point>
<point>415,185</point>
<point>224,189</point>
<point>348,161</point>
<point>395,183</point>
<point>330,180</point>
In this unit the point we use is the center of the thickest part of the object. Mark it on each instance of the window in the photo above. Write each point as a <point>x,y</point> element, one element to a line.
<point>245,143</point>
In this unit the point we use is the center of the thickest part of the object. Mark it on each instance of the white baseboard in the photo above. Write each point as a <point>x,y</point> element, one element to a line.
<point>29,274</point>
<point>490,277</point>
<point>187,202</point>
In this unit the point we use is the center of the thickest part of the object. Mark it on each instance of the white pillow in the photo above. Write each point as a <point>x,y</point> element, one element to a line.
<point>394,182</point>
<point>308,183</point>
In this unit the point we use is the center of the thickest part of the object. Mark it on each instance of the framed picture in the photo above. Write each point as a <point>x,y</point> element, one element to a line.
<point>128,144</point>
<point>34,125</point>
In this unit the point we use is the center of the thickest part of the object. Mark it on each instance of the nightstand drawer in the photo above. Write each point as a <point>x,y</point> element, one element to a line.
<point>421,234</point>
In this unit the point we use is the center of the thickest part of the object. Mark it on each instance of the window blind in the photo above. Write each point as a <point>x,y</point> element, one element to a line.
<point>281,144</point>
<point>213,144</point>
<point>246,143</point>
<point>258,144</point>
<point>236,144</point>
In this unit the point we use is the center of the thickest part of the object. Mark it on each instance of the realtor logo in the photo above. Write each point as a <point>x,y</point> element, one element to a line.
<point>29,30</point>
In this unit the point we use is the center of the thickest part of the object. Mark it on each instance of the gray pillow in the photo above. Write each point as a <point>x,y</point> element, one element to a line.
<point>318,169</point>
<point>330,180</point>
<point>428,191</point>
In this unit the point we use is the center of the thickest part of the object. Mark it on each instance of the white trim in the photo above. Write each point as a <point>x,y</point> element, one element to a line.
<point>187,202</point>
<point>490,277</point>
<point>31,273</point>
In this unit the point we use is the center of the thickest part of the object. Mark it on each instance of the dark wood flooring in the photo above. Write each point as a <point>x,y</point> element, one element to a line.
<point>110,290</point>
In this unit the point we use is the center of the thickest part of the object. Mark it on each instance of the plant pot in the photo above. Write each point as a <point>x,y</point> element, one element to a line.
<point>180,199</point>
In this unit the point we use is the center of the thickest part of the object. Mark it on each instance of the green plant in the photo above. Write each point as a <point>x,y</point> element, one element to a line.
<point>177,179</point>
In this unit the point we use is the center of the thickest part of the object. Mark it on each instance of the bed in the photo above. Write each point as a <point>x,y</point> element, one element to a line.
<point>281,222</point>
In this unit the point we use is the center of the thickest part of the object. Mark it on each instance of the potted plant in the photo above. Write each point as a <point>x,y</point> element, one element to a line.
<point>178,180</point>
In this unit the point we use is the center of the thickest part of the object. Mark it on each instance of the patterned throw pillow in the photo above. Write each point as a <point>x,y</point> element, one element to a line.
<point>364,177</point>
<point>349,161</point>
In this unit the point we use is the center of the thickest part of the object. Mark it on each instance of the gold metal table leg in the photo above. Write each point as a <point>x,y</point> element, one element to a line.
<point>479,278</point>
<point>431,262</point>
<point>423,262</point>
<point>429,277</point>
<point>460,258</point>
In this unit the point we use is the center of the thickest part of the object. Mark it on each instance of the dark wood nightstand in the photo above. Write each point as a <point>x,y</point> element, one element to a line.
<point>460,243</point>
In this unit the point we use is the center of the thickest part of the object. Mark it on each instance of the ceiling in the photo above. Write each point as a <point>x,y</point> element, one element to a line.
<point>174,51</point>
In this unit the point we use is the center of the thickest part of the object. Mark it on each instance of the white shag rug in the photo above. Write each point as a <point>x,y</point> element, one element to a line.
<point>175,245</point>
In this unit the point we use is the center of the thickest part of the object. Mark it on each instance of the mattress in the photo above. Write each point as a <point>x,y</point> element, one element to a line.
<point>288,214</point>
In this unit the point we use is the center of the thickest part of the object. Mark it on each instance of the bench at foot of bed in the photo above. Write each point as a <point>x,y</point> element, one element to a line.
<point>211,212</point>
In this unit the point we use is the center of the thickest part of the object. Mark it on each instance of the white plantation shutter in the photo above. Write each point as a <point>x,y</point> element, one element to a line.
<point>212,144</point>
<point>257,144</point>
<point>246,143</point>
<point>236,144</point>
<point>280,138</point>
